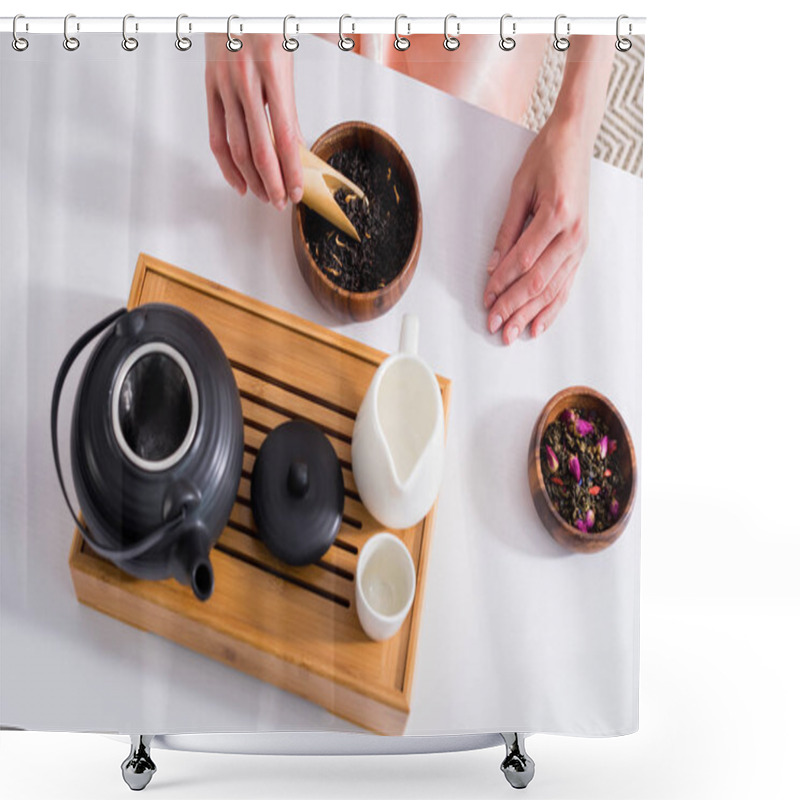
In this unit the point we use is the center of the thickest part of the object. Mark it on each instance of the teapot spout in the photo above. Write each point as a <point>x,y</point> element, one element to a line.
<point>192,565</point>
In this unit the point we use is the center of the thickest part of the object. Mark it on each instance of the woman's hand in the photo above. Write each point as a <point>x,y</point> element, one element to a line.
<point>532,268</point>
<point>238,87</point>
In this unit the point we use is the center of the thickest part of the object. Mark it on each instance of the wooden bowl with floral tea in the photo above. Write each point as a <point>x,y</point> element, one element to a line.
<point>582,470</point>
<point>362,280</point>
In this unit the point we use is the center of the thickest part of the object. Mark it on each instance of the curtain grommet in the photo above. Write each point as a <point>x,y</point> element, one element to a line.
<point>401,43</point>
<point>129,43</point>
<point>345,42</point>
<point>290,44</point>
<point>183,43</point>
<point>233,44</point>
<point>70,43</point>
<point>507,43</point>
<point>560,43</point>
<point>19,43</point>
<point>451,43</point>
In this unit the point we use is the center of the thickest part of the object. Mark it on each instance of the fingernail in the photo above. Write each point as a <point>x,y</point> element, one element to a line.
<point>489,300</point>
<point>297,195</point>
<point>494,261</point>
<point>281,204</point>
<point>494,323</point>
<point>513,332</point>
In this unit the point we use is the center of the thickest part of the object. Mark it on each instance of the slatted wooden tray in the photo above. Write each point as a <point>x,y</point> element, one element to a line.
<point>296,628</point>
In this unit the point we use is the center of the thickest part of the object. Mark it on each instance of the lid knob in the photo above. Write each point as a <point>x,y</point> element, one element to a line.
<point>298,479</point>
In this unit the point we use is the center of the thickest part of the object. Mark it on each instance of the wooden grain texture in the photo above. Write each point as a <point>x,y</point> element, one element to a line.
<point>344,303</point>
<point>564,533</point>
<point>295,627</point>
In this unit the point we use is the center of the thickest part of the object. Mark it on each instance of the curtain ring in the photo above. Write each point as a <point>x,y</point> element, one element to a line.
<point>561,43</point>
<point>345,42</point>
<point>451,43</point>
<point>128,42</point>
<point>400,42</point>
<point>233,44</point>
<point>17,42</point>
<point>507,42</point>
<point>623,43</point>
<point>71,43</point>
<point>183,43</point>
<point>290,44</point>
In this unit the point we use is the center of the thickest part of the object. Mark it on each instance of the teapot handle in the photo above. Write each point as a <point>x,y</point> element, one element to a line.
<point>409,334</point>
<point>154,537</point>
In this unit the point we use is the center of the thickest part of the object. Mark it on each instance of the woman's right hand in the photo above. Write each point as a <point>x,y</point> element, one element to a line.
<point>240,87</point>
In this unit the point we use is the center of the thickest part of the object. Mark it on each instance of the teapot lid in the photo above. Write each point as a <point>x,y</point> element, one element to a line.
<point>297,493</point>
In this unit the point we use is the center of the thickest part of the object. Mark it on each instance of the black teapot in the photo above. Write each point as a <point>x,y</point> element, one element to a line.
<point>156,443</point>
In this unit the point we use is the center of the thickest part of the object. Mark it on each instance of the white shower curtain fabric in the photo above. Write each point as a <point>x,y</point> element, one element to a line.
<point>105,155</point>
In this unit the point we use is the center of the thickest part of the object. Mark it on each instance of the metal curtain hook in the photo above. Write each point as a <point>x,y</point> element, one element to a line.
<point>561,43</point>
<point>17,42</point>
<point>129,43</point>
<point>506,42</point>
<point>183,43</point>
<point>345,42</point>
<point>451,42</point>
<point>233,44</point>
<point>623,43</point>
<point>70,43</point>
<point>400,42</point>
<point>290,44</point>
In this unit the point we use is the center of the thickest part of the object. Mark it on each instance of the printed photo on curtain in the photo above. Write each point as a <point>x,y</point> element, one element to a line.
<point>321,385</point>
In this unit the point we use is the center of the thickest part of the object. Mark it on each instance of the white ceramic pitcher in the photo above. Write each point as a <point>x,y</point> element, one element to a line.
<point>398,438</point>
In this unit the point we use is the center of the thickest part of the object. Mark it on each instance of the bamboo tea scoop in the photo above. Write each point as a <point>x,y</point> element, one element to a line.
<point>320,183</point>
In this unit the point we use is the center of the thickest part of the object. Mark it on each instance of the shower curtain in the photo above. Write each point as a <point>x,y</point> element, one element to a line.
<point>522,288</point>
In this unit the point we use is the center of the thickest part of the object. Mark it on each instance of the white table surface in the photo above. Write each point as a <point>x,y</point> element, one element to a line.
<point>105,154</point>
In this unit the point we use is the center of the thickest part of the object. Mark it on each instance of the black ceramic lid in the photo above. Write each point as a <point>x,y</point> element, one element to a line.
<point>297,491</point>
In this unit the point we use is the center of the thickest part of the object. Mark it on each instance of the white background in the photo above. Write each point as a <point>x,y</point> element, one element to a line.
<point>720,614</point>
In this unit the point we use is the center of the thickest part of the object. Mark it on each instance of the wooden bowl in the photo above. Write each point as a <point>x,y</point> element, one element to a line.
<point>564,533</point>
<point>346,304</point>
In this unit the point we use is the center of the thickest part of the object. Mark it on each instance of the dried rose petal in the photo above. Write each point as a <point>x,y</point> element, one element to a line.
<point>582,427</point>
<point>590,519</point>
<point>612,445</point>
<point>552,461</point>
<point>603,445</point>
<point>580,525</point>
<point>568,416</point>
<point>575,468</point>
<point>613,509</point>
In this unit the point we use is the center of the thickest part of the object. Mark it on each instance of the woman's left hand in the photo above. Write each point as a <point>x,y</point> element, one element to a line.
<point>532,268</point>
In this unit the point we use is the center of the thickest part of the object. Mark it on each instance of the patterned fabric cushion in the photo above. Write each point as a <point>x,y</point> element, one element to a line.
<point>619,141</point>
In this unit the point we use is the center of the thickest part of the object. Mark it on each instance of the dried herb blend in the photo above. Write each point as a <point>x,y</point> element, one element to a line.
<point>385,224</point>
<point>581,470</point>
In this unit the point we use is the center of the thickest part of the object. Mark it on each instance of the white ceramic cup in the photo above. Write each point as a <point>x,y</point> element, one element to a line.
<point>385,585</point>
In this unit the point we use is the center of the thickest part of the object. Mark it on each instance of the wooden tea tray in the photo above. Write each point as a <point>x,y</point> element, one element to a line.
<point>296,628</point>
